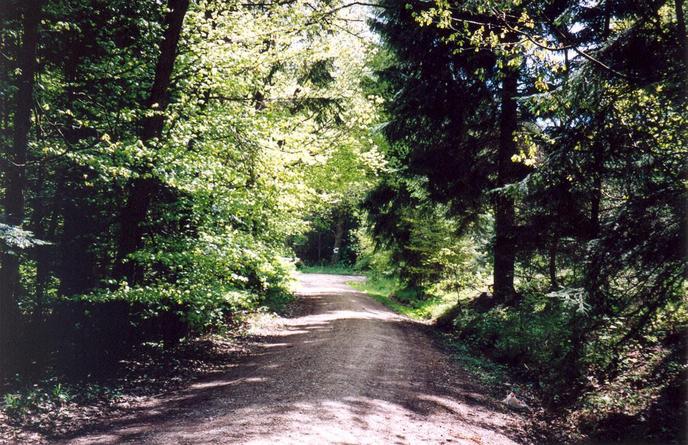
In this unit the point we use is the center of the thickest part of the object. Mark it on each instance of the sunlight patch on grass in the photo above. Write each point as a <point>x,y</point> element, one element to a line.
<point>389,292</point>
<point>338,269</point>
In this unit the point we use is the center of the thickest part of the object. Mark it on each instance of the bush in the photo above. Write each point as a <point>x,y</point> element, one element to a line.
<point>216,278</point>
<point>191,286</point>
<point>534,336</point>
<point>91,336</point>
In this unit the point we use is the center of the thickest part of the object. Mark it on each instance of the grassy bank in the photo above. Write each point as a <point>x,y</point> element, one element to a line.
<point>338,269</point>
<point>634,405</point>
<point>408,302</point>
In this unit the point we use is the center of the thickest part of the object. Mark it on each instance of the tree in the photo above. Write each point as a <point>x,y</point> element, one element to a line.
<point>546,127</point>
<point>455,116</point>
<point>173,152</point>
<point>151,126</point>
<point>624,176</point>
<point>14,177</point>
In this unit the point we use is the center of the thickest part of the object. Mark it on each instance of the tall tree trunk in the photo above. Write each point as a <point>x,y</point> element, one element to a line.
<point>45,254</point>
<point>505,249</point>
<point>592,279</point>
<point>36,225</point>
<point>76,260</point>
<point>15,178</point>
<point>554,246</point>
<point>607,19</point>
<point>596,192</point>
<point>338,237</point>
<point>681,30</point>
<point>141,190</point>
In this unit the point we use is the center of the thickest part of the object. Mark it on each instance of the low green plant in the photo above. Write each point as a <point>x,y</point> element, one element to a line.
<point>43,396</point>
<point>12,404</point>
<point>490,373</point>
<point>214,278</point>
<point>532,337</point>
<point>337,269</point>
<point>411,302</point>
<point>60,393</point>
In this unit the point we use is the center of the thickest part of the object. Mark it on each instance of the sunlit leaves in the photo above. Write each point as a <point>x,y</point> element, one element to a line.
<point>17,238</point>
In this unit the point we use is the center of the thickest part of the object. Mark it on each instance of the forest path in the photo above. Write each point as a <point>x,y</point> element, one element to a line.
<point>344,370</point>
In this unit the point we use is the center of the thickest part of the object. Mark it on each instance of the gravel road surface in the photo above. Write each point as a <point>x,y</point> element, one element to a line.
<point>343,369</point>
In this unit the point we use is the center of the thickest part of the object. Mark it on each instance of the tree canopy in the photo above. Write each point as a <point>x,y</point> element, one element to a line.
<point>168,160</point>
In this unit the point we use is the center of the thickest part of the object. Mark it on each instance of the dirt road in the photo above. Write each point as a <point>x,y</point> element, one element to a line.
<point>346,370</point>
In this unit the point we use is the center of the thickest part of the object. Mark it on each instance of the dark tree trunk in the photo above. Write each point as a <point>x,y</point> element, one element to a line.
<point>131,229</point>
<point>76,263</point>
<point>43,224</point>
<point>596,193</point>
<point>338,237</point>
<point>681,29</point>
<point>554,246</point>
<point>15,178</point>
<point>45,254</point>
<point>141,190</point>
<point>505,248</point>
<point>607,18</point>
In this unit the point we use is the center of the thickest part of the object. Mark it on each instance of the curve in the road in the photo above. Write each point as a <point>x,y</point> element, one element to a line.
<point>346,370</point>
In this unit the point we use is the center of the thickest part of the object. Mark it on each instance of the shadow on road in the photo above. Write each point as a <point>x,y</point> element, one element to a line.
<point>347,371</point>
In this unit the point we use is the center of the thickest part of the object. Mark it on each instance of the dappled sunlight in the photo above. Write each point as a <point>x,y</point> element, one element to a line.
<point>216,384</point>
<point>347,371</point>
<point>321,284</point>
<point>365,314</point>
<point>364,420</point>
<point>275,345</point>
<point>360,420</point>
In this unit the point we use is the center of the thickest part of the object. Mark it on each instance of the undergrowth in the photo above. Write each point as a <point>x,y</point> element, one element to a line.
<point>520,349</point>
<point>338,269</point>
<point>413,303</point>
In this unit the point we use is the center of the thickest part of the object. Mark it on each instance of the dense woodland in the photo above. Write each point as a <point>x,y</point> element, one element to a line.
<point>539,149</point>
<point>167,164</point>
<point>159,157</point>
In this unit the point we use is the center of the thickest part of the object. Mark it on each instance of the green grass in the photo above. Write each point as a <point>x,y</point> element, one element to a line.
<point>338,269</point>
<point>408,302</point>
<point>381,289</point>
<point>489,373</point>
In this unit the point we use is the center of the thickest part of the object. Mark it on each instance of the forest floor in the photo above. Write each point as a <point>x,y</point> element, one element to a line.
<point>340,368</point>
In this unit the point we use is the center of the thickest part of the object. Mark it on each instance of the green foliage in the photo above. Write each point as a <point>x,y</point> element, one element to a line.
<point>338,269</point>
<point>12,404</point>
<point>218,279</point>
<point>266,126</point>
<point>38,398</point>
<point>15,238</point>
<point>596,179</point>
<point>407,301</point>
<point>546,137</point>
<point>532,337</point>
<point>331,237</point>
<point>382,289</point>
<point>489,372</point>
<point>425,244</point>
